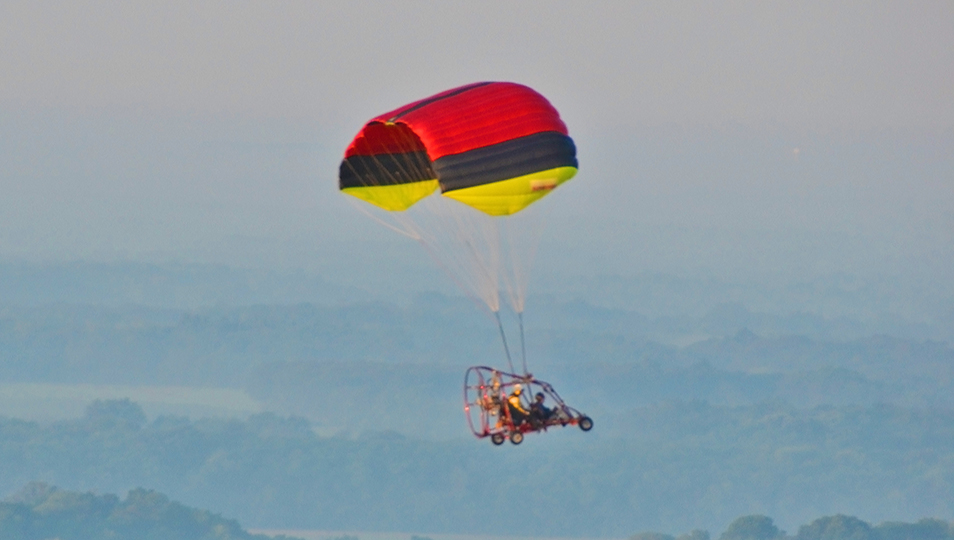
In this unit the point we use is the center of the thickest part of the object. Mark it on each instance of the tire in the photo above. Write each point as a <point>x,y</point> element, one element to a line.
<point>586,423</point>
<point>497,439</point>
<point>516,437</point>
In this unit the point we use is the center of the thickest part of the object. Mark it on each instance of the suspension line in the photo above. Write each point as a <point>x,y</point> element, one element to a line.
<point>503,337</point>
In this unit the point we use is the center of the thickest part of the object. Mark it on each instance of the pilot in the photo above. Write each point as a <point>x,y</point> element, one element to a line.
<point>518,414</point>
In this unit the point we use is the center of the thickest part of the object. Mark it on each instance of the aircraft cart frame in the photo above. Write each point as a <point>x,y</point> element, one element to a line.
<point>485,404</point>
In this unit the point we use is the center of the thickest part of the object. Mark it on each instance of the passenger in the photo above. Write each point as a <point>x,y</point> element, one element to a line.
<point>539,413</point>
<point>518,413</point>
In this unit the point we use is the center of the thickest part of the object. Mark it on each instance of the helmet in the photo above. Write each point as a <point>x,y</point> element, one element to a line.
<point>517,389</point>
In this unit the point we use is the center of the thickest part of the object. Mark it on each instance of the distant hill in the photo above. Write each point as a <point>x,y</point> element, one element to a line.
<point>660,307</point>
<point>222,346</point>
<point>379,366</point>
<point>162,286</point>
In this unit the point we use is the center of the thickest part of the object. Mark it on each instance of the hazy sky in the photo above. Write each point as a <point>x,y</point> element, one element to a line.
<point>812,136</point>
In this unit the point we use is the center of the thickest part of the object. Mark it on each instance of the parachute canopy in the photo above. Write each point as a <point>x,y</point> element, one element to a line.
<point>494,146</point>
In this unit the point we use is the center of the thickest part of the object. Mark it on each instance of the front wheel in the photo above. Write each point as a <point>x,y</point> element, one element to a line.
<point>497,439</point>
<point>516,437</point>
<point>586,423</point>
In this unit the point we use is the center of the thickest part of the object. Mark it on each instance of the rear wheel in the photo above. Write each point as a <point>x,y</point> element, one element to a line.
<point>497,439</point>
<point>586,423</point>
<point>516,437</point>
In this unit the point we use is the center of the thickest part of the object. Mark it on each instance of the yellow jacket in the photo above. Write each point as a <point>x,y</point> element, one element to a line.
<point>514,401</point>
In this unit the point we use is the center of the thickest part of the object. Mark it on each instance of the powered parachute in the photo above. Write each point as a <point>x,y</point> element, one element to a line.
<point>457,172</point>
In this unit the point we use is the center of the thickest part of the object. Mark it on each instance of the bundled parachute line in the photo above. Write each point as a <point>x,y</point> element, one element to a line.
<point>457,172</point>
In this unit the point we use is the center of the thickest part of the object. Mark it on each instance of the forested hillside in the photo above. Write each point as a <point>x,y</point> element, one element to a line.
<point>837,527</point>
<point>39,511</point>
<point>682,466</point>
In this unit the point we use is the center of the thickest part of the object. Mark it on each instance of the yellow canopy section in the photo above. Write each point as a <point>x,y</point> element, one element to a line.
<point>513,195</point>
<point>395,198</point>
